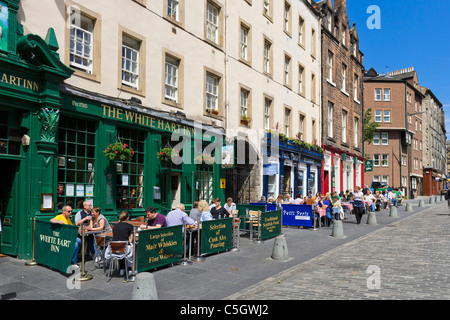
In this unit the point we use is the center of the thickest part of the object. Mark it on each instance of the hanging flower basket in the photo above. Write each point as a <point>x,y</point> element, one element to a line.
<point>167,154</point>
<point>204,159</point>
<point>119,152</point>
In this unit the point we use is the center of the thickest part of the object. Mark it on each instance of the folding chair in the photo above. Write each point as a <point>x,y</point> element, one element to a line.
<point>118,250</point>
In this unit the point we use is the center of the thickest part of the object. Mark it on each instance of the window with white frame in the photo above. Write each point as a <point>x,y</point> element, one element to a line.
<point>301,31</point>
<point>344,40</point>
<point>329,22</point>
<point>344,78</point>
<point>267,56</point>
<point>244,43</point>
<point>301,80</point>
<point>212,23</point>
<point>130,62</point>
<point>376,160</point>
<point>266,7</point>
<point>378,94</point>
<point>330,67</point>
<point>378,115</point>
<point>267,110</point>
<point>376,139</point>
<point>355,132</point>
<point>82,43</point>
<point>301,127</point>
<point>287,67</point>
<point>384,138</point>
<point>330,119</point>
<point>387,94</point>
<point>244,102</point>
<point>171,79</point>
<point>212,92</point>
<point>344,126</point>
<point>287,14</point>
<point>355,87</point>
<point>385,160</point>
<point>385,179</point>
<point>173,9</point>
<point>287,122</point>
<point>387,116</point>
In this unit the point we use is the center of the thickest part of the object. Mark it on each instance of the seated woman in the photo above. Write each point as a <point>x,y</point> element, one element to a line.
<point>98,223</point>
<point>324,204</point>
<point>379,200</point>
<point>123,231</point>
<point>336,201</point>
<point>370,200</point>
<point>205,214</point>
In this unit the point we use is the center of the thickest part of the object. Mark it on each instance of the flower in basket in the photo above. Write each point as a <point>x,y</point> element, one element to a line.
<point>204,159</point>
<point>119,152</point>
<point>245,117</point>
<point>167,154</point>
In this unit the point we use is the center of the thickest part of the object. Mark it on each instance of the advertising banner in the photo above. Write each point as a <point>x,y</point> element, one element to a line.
<point>271,224</point>
<point>216,235</point>
<point>159,247</point>
<point>297,215</point>
<point>55,244</point>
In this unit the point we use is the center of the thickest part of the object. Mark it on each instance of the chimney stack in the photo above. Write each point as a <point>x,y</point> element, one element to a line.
<point>339,3</point>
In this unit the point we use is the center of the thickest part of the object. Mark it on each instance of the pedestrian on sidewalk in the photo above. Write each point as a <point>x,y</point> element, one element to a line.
<point>358,204</point>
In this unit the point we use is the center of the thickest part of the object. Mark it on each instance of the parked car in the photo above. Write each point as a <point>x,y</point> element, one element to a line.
<point>380,186</point>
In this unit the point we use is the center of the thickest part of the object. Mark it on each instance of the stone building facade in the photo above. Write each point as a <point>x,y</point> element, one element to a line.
<point>396,99</point>
<point>342,99</point>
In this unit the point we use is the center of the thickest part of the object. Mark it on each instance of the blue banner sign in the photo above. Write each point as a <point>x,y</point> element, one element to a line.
<point>297,215</point>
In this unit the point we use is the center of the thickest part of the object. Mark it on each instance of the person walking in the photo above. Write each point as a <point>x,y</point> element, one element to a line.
<point>358,204</point>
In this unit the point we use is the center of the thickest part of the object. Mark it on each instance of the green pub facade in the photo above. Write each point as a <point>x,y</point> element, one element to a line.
<point>53,137</point>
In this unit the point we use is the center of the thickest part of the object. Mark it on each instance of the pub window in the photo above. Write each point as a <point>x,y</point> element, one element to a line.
<point>130,174</point>
<point>205,183</point>
<point>10,137</point>
<point>76,162</point>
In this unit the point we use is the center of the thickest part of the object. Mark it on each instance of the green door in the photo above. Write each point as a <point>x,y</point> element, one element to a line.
<point>8,206</point>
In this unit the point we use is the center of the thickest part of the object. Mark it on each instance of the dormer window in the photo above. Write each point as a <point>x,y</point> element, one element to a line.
<point>329,22</point>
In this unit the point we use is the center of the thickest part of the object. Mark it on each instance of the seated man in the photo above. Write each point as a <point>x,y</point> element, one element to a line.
<point>155,219</point>
<point>392,198</point>
<point>64,218</point>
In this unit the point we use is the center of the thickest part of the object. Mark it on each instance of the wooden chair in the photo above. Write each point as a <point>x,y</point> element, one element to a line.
<point>118,252</point>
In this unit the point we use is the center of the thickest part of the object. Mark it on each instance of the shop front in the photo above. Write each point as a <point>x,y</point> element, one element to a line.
<point>342,171</point>
<point>290,168</point>
<point>53,139</point>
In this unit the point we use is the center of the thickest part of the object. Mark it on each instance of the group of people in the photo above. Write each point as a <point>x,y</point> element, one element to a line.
<point>91,219</point>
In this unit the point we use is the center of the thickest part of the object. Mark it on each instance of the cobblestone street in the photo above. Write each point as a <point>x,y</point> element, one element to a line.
<point>412,256</point>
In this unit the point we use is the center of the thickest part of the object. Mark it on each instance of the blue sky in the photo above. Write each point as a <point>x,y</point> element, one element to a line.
<point>413,33</point>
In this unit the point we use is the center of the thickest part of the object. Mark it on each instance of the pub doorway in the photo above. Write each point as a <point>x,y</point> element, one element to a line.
<point>8,206</point>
